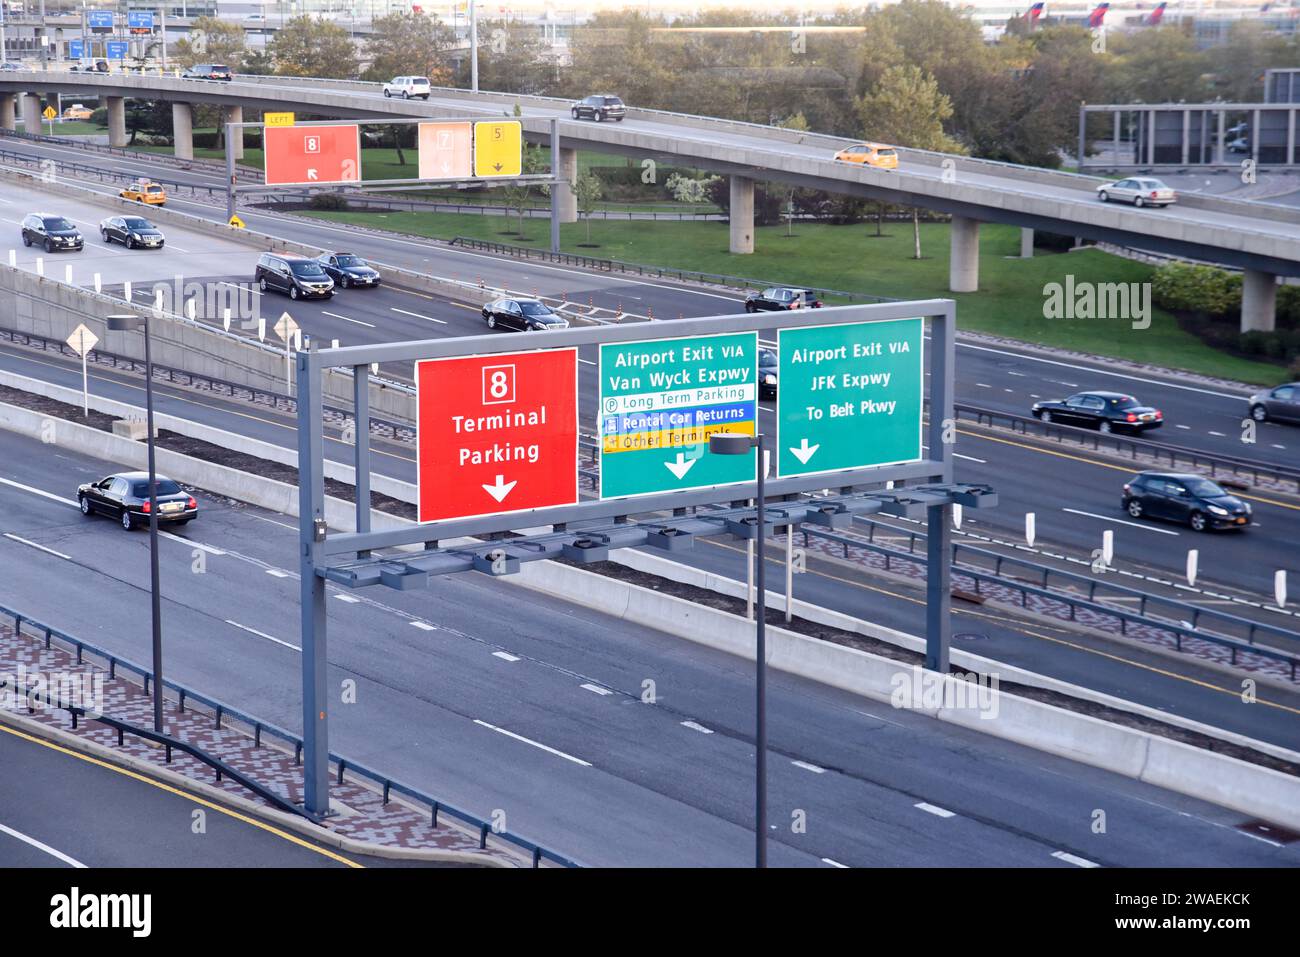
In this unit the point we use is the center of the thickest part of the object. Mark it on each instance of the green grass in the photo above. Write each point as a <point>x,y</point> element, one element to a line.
<point>1010,301</point>
<point>75,128</point>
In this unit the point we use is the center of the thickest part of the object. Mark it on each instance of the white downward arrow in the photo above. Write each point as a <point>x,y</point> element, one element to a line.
<point>311,174</point>
<point>501,489</point>
<point>681,466</point>
<point>804,452</point>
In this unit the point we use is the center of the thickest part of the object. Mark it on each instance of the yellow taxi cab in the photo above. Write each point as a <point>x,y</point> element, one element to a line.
<point>871,154</point>
<point>143,191</point>
<point>77,112</point>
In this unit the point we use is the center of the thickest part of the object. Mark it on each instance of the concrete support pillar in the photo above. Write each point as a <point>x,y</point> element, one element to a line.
<point>1258,300</point>
<point>568,173</point>
<point>235,114</point>
<point>183,131</point>
<point>964,262</point>
<point>31,113</point>
<point>1026,243</point>
<point>116,107</point>
<point>742,214</point>
<point>7,101</point>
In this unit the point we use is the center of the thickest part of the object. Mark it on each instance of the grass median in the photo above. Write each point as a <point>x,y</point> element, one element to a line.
<point>1010,302</point>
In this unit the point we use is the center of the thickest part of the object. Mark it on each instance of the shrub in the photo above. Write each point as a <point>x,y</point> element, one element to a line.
<point>333,202</point>
<point>1198,289</point>
<point>1288,307</point>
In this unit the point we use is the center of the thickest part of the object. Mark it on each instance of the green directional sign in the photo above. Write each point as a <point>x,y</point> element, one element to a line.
<point>659,403</point>
<point>850,396</point>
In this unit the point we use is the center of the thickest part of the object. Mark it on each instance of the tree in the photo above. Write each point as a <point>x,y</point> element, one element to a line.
<point>587,188</point>
<point>258,62</point>
<point>313,46</point>
<point>211,40</point>
<point>403,43</point>
<point>796,122</point>
<point>906,108</point>
<point>518,194</point>
<point>511,59</point>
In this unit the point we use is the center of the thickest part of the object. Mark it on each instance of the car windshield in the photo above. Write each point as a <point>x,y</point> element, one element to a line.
<point>57,222</point>
<point>1204,488</point>
<point>613,101</point>
<point>154,188</point>
<point>419,81</point>
<point>351,261</point>
<point>307,269</point>
<point>886,153</point>
<point>1124,402</point>
<point>534,309</point>
<point>135,222</point>
<point>165,487</point>
<point>767,359</point>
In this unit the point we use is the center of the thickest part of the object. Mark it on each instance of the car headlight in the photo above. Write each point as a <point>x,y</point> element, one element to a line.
<point>769,380</point>
<point>1218,511</point>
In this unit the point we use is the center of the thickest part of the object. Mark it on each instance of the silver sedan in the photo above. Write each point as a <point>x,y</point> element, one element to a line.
<point>1138,190</point>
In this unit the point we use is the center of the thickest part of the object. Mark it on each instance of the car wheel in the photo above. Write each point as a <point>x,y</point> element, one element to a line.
<point>27,241</point>
<point>1134,508</point>
<point>344,282</point>
<point>1046,416</point>
<point>1103,196</point>
<point>1139,202</point>
<point>49,247</point>
<point>103,234</point>
<point>491,321</point>
<point>1104,428</point>
<point>595,115</point>
<point>387,94</point>
<point>406,95</point>
<point>1259,413</point>
<point>84,503</point>
<point>749,307</point>
<point>130,243</point>
<point>128,522</point>
<point>293,292</point>
<point>574,113</point>
<point>261,284</point>
<point>1198,522</point>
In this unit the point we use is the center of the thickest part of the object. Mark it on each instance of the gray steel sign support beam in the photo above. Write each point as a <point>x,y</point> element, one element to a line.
<point>232,130</point>
<point>942,434</point>
<point>556,186</point>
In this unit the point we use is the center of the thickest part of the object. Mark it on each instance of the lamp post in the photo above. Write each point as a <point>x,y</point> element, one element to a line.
<point>726,443</point>
<point>128,323</point>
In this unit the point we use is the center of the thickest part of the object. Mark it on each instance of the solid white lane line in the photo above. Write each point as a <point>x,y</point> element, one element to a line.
<point>40,846</point>
<point>504,656</point>
<point>335,315</point>
<point>261,634</point>
<point>348,599</point>
<point>808,767</point>
<point>39,491</point>
<point>933,809</point>
<point>1071,859</point>
<point>42,548</point>
<point>416,315</point>
<point>423,626</point>
<point>211,550</point>
<point>827,860</point>
<point>587,362</point>
<point>595,689</point>
<point>292,528</point>
<point>969,458</point>
<point>232,285</point>
<point>694,726</point>
<point>535,744</point>
<point>1107,518</point>
<point>276,573</point>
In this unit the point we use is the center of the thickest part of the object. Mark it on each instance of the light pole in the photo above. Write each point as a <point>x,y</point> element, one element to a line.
<point>727,443</point>
<point>473,47</point>
<point>128,323</point>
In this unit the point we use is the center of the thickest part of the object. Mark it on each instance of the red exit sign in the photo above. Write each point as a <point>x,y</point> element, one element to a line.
<point>496,433</point>
<point>312,155</point>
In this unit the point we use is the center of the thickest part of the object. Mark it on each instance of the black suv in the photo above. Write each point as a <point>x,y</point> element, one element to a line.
<point>780,298</point>
<point>52,232</point>
<point>125,496</point>
<point>599,107</point>
<point>1186,498</point>
<point>207,71</point>
<point>296,276</point>
<point>347,269</point>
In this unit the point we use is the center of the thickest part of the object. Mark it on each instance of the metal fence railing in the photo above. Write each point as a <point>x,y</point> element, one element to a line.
<point>1158,453</point>
<point>224,715</point>
<point>1080,593</point>
<point>198,163</point>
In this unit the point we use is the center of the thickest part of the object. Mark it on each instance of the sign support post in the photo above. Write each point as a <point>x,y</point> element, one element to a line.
<point>942,433</point>
<point>231,131</point>
<point>555,187</point>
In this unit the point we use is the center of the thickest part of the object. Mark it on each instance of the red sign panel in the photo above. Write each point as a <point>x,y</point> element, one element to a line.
<point>312,155</point>
<point>497,433</point>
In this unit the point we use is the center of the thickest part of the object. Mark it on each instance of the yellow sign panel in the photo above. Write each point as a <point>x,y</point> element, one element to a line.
<point>236,222</point>
<point>278,119</point>
<point>49,113</point>
<point>498,148</point>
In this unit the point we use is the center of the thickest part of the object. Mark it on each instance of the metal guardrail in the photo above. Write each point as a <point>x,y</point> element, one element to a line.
<point>1134,447</point>
<point>201,164</point>
<point>222,712</point>
<point>108,176</point>
<point>640,269</point>
<point>1074,601</point>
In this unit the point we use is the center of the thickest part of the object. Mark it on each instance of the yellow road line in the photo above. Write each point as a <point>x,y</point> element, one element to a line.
<point>270,829</point>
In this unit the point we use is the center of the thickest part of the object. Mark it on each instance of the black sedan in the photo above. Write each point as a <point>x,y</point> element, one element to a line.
<point>125,497</point>
<point>1186,498</point>
<point>1103,411</point>
<point>767,366</point>
<point>131,231</point>
<point>780,298</point>
<point>348,270</point>
<point>528,315</point>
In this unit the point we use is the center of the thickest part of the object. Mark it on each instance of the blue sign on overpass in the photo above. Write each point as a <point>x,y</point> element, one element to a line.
<point>76,49</point>
<point>99,19</point>
<point>140,19</point>
<point>116,49</point>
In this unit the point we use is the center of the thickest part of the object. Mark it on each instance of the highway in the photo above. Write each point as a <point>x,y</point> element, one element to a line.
<point>494,697</point>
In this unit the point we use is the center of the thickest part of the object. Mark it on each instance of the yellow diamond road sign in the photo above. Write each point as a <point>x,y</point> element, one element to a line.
<point>236,222</point>
<point>498,148</point>
<point>49,113</point>
<point>278,119</point>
